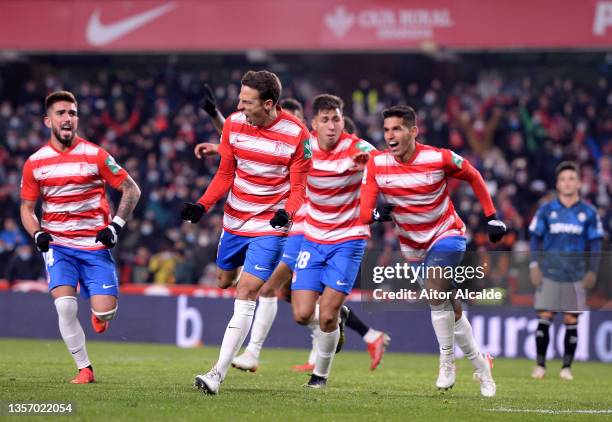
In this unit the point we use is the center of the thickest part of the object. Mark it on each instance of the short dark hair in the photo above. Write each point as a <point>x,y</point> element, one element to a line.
<point>567,165</point>
<point>57,96</point>
<point>291,104</point>
<point>349,125</point>
<point>266,83</point>
<point>407,113</point>
<point>326,102</point>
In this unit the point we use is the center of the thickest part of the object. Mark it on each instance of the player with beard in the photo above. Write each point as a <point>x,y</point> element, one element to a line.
<point>76,231</point>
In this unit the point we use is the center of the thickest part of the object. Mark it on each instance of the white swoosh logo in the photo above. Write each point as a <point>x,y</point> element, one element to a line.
<point>99,34</point>
<point>258,268</point>
<point>107,286</point>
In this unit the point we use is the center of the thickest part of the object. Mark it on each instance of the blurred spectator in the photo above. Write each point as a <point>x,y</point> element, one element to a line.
<point>24,265</point>
<point>162,265</point>
<point>11,235</point>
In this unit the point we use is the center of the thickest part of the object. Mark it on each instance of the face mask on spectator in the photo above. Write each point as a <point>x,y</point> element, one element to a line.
<point>146,229</point>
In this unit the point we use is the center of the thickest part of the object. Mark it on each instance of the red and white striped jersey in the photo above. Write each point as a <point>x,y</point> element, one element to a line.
<point>72,186</point>
<point>418,189</point>
<point>263,159</point>
<point>332,193</point>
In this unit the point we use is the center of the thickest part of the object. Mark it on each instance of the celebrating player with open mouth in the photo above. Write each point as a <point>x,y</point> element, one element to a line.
<point>412,179</point>
<point>265,157</point>
<point>76,232</point>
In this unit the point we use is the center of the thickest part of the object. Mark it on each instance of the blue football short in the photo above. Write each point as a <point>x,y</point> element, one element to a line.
<point>333,265</point>
<point>94,270</point>
<point>259,255</point>
<point>446,252</point>
<point>292,250</point>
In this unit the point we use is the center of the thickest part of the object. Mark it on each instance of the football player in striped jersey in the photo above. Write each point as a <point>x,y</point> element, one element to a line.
<point>76,232</point>
<point>412,178</point>
<point>265,157</point>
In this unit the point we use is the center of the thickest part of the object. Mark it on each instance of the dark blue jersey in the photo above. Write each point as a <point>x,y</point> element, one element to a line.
<point>563,234</point>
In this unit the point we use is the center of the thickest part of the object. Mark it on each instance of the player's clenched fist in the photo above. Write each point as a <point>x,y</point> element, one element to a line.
<point>495,228</point>
<point>382,213</point>
<point>42,240</point>
<point>192,212</point>
<point>108,236</point>
<point>280,219</point>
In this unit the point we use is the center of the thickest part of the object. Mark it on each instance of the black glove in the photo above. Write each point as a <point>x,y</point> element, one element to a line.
<point>108,236</point>
<point>209,102</point>
<point>495,228</point>
<point>382,213</point>
<point>280,219</point>
<point>192,212</point>
<point>42,240</point>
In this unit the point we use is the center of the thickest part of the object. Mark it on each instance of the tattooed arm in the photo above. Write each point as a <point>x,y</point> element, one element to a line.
<point>130,193</point>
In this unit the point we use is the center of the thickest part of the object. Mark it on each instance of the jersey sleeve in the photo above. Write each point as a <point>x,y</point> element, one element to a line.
<point>538,225</point>
<point>369,193</point>
<point>299,167</point>
<point>595,227</point>
<point>458,167</point>
<point>30,190</point>
<point>110,171</point>
<point>224,177</point>
<point>361,146</point>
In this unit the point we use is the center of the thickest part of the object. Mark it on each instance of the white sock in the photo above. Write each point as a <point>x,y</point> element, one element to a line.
<point>315,331</point>
<point>264,318</point>
<point>466,342</point>
<point>71,330</point>
<point>235,333</point>
<point>443,321</point>
<point>371,335</point>
<point>326,349</point>
<point>313,324</point>
<point>313,351</point>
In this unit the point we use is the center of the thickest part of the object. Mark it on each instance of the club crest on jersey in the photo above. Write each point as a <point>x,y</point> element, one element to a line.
<point>112,165</point>
<point>582,217</point>
<point>457,159</point>
<point>307,149</point>
<point>364,146</point>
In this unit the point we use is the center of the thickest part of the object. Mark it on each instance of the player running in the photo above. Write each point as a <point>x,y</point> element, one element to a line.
<point>279,283</point>
<point>76,232</point>
<point>265,157</point>
<point>412,179</point>
<point>561,231</point>
<point>334,237</point>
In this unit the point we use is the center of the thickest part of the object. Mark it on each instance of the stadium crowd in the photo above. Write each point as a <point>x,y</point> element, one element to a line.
<point>515,131</point>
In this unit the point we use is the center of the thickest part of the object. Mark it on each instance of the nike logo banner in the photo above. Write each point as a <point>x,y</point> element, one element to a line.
<point>100,34</point>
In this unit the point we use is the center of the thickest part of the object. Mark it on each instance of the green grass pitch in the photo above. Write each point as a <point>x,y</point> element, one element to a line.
<point>155,382</point>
